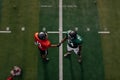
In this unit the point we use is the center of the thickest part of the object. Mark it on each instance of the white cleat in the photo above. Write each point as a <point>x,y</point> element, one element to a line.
<point>65,55</point>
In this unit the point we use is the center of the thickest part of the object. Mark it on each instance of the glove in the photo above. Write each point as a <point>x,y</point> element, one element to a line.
<point>36,43</point>
<point>58,44</point>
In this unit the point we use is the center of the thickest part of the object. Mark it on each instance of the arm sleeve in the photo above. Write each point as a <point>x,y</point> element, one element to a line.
<point>35,39</point>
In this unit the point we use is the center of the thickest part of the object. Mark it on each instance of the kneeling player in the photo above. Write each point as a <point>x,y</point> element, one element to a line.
<point>16,71</point>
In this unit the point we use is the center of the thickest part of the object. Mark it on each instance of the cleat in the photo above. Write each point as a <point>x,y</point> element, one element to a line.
<point>46,60</point>
<point>79,60</point>
<point>67,54</point>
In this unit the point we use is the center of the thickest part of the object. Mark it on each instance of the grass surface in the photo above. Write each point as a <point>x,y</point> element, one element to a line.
<point>110,18</point>
<point>0,9</point>
<point>84,16</point>
<point>48,18</point>
<point>18,48</point>
<point>100,52</point>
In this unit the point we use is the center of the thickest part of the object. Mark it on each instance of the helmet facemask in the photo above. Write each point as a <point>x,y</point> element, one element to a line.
<point>72,35</point>
<point>42,35</point>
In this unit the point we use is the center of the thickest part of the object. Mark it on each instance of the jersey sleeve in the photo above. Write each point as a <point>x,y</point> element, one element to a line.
<point>36,37</point>
<point>49,44</point>
<point>80,40</point>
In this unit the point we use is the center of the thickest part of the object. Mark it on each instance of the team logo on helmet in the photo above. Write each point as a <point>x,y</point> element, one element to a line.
<point>42,35</point>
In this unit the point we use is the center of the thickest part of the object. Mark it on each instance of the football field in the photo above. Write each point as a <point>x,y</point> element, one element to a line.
<point>97,21</point>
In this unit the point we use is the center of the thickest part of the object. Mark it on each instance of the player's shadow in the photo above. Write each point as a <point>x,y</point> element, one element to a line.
<point>82,71</point>
<point>45,67</point>
<point>71,68</point>
<point>72,71</point>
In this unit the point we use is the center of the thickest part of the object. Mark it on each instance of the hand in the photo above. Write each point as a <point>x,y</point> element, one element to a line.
<point>58,44</point>
<point>36,43</point>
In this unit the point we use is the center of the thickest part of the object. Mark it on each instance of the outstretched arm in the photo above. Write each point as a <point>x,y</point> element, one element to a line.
<point>53,45</point>
<point>62,41</point>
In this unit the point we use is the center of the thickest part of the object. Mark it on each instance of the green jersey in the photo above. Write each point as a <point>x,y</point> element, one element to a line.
<point>74,43</point>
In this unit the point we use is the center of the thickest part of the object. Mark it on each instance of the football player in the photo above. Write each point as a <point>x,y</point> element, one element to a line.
<point>16,71</point>
<point>41,40</point>
<point>74,43</point>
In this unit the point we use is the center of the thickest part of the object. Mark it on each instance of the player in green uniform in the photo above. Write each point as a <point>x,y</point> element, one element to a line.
<point>74,43</point>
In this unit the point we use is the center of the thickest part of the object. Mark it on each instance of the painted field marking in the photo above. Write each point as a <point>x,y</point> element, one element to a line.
<point>22,28</point>
<point>56,32</point>
<point>70,6</point>
<point>76,28</point>
<point>5,31</point>
<point>7,28</point>
<point>103,32</point>
<point>88,29</point>
<point>105,29</point>
<point>65,6</point>
<point>60,32</point>
<point>60,38</point>
<point>44,29</point>
<point>46,6</point>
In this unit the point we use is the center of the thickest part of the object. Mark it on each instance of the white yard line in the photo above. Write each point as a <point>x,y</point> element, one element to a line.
<point>60,38</point>
<point>65,6</point>
<point>55,32</point>
<point>103,32</point>
<point>5,31</point>
<point>46,6</point>
<point>70,6</point>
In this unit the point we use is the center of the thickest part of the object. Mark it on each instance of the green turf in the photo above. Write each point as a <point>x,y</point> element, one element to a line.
<point>0,9</point>
<point>110,18</point>
<point>85,15</point>
<point>80,17</point>
<point>48,18</point>
<point>18,47</point>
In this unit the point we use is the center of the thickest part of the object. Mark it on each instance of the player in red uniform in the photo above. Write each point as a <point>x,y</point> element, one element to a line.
<point>41,40</point>
<point>16,71</point>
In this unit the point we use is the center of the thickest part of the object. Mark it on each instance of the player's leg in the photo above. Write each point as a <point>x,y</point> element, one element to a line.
<point>78,52</point>
<point>69,49</point>
<point>44,54</point>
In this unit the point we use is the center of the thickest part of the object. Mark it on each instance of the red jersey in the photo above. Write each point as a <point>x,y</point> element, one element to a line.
<point>42,44</point>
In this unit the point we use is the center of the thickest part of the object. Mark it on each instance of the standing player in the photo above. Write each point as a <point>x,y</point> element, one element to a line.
<point>41,40</point>
<point>74,43</point>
